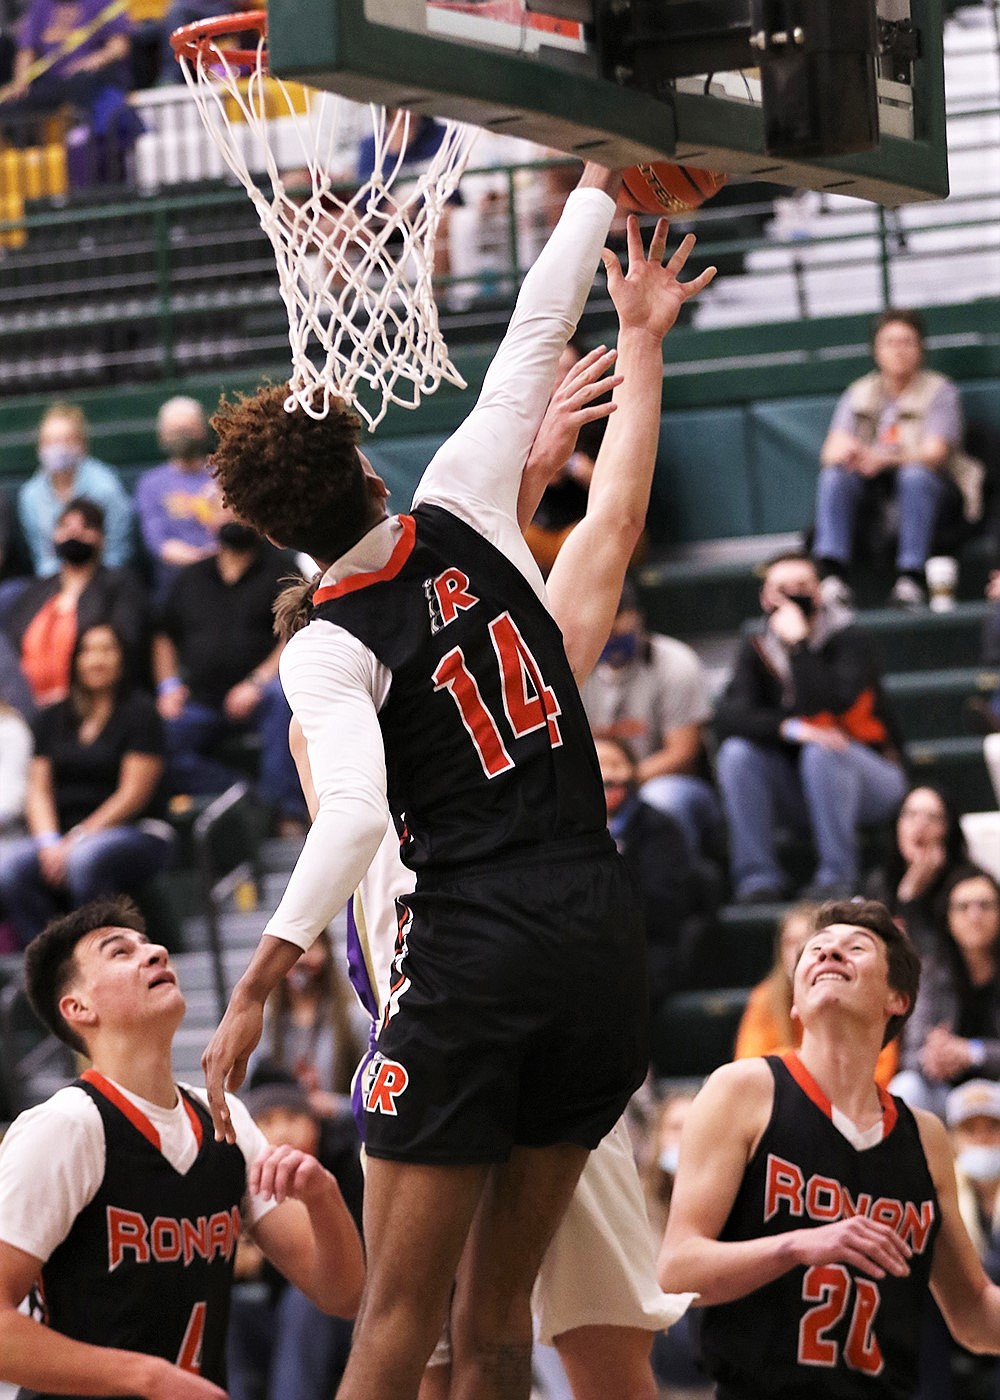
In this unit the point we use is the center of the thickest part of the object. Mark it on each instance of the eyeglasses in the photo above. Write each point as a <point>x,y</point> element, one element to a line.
<point>984,906</point>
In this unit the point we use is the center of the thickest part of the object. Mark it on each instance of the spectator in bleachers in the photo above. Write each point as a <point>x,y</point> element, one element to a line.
<point>215,661</point>
<point>75,55</point>
<point>972,1112</point>
<point>280,1345</point>
<point>768,1026</point>
<point>896,435</point>
<point>66,472</point>
<point>48,615</point>
<point>652,692</point>
<point>175,503</point>
<point>808,738</point>
<point>309,1030</point>
<point>954,1032</point>
<point>662,867</point>
<point>925,847</point>
<point>15,758</point>
<point>94,794</point>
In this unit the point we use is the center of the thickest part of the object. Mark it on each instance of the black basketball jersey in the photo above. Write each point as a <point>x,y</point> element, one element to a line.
<point>826,1330</point>
<point>487,743</point>
<point>148,1264</point>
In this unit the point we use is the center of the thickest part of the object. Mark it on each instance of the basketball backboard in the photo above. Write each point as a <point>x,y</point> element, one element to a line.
<point>532,68</point>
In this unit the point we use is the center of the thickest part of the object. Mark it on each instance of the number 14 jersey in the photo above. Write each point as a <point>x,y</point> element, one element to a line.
<point>487,743</point>
<point>827,1330</point>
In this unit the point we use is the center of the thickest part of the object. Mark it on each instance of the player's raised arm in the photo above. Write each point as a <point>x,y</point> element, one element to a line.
<point>721,1132</point>
<point>586,579</point>
<point>969,1302</point>
<point>481,463</point>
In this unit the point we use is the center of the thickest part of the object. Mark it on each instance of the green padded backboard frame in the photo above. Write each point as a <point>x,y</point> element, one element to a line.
<point>336,44</point>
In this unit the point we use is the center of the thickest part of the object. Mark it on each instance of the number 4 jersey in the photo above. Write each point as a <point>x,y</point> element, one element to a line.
<point>487,743</point>
<point>827,1330</point>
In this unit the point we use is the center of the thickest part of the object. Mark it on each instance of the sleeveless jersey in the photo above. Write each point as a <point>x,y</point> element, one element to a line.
<point>487,743</point>
<point>827,1330</point>
<point>148,1263</point>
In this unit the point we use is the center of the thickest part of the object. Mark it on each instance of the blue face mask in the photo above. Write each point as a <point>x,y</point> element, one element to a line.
<point>58,458</point>
<point>619,651</point>
<point>980,1163</point>
<point>668,1159</point>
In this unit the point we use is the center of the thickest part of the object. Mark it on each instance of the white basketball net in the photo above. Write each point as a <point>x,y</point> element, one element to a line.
<point>355,270</point>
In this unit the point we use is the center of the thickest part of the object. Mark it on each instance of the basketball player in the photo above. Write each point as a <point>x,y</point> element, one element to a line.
<point>433,670</point>
<point>811,1210</point>
<point>119,1211</point>
<point>596,1299</point>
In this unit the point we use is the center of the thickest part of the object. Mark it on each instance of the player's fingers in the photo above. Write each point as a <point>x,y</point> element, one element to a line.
<point>699,283</point>
<point>585,394</point>
<point>633,238</point>
<point>217,1105</point>
<point>658,241</point>
<point>238,1073</point>
<point>681,253</point>
<point>612,267</point>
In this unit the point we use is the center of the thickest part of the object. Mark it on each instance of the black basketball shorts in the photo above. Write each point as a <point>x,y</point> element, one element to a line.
<point>520,1017</point>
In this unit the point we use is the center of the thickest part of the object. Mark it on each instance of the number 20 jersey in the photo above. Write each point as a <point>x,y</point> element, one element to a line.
<point>487,743</point>
<point>828,1330</point>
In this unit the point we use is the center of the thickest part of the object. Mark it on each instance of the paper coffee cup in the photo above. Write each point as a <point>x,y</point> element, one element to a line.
<point>942,578</point>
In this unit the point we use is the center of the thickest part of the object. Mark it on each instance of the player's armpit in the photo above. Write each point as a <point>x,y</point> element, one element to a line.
<point>720,1134</point>
<point>969,1302</point>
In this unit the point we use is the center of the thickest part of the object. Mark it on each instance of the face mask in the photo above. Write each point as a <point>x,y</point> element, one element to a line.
<point>619,651</point>
<point>241,538</point>
<point>669,1159</point>
<point>58,459</point>
<point>73,551</point>
<point>185,447</point>
<point>980,1163</point>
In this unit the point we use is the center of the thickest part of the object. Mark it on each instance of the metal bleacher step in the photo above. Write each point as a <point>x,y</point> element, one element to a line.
<point>694,1032</point>
<point>930,704</point>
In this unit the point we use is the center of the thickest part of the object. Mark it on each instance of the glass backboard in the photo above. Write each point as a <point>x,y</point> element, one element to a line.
<point>532,68</point>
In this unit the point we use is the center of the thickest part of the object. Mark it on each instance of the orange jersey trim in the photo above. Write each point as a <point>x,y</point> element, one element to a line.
<point>401,551</point>
<point>811,1089</point>
<point>124,1105</point>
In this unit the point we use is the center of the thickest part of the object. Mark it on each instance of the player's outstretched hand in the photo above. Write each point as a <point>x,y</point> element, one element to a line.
<point>868,1245</point>
<point>286,1173</point>
<point>573,404</point>
<point>225,1059</point>
<point>648,296</point>
<point>167,1382</point>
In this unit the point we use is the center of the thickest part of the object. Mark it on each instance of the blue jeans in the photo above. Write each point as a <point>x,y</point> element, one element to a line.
<point>116,860</point>
<point>691,802</point>
<point>919,493</point>
<point>831,791</point>
<point>199,728</point>
<point>287,1350</point>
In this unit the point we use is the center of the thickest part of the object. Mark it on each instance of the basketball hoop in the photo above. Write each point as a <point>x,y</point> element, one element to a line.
<point>354,267</point>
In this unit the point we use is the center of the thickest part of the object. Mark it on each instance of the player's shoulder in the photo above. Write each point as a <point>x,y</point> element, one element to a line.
<point>69,1115</point>
<point>934,1140</point>
<point>743,1089</point>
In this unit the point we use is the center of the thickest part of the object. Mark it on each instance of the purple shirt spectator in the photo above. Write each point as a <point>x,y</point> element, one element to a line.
<point>48,23</point>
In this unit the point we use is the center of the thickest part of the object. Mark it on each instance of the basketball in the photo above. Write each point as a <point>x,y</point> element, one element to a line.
<point>665,188</point>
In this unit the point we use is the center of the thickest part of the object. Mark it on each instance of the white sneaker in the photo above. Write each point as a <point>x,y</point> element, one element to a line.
<point>907,593</point>
<point>835,592</point>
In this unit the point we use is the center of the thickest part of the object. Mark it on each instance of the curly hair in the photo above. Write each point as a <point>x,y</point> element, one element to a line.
<point>295,478</point>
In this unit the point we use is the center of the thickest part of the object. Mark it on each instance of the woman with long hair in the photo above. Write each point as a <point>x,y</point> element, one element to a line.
<point>954,1032</point>
<point>93,797</point>
<point>925,847</point>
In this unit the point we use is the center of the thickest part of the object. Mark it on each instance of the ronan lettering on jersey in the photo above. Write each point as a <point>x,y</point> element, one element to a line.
<point>166,1240</point>
<point>823,1199</point>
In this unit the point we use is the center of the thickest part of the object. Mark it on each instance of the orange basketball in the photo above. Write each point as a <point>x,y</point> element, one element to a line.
<point>664,188</point>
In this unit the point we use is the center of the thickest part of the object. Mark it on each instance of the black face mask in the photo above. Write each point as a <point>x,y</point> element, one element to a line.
<point>805,602</point>
<point>241,538</point>
<point>74,551</point>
